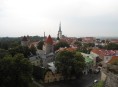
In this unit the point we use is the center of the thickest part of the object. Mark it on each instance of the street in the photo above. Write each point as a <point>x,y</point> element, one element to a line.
<point>86,81</point>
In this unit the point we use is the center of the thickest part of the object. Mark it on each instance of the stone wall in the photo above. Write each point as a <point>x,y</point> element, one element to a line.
<point>111,80</point>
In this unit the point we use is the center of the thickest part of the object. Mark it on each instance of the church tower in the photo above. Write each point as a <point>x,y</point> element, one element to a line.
<point>25,41</point>
<point>60,32</point>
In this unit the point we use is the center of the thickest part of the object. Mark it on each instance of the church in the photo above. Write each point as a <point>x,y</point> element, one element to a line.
<point>59,35</point>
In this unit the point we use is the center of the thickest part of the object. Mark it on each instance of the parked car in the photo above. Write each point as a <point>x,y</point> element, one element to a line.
<point>95,81</point>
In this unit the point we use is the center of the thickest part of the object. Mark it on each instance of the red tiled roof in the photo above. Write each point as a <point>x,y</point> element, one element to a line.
<point>114,41</point>
<point>102,52</point>
<point>71,49</point>
<point>24,38</point>
<point>97,51</point>
<point>88,39</point>
<point>49,40</point>
<point>68,40</point>
<point>113,59</point>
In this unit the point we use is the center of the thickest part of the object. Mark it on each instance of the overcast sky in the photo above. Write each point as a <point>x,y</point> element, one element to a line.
<point>78,17</point>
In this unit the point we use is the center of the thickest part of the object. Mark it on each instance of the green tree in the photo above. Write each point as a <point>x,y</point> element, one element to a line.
<point>78,43</point>
<point>33,49</point>
<point>79,39</point>
<point>15,71</point>
<point>38,73</point>
<point>40,45</point>
<point>88,45</point>
<point>20,49</point>
<point>69,63</point>
<point>79,61</point>
<point>61,44</point>
<point>3,52</point>
<point>112,46</point>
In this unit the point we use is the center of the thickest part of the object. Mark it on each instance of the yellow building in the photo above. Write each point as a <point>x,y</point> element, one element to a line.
<point>52,77</point>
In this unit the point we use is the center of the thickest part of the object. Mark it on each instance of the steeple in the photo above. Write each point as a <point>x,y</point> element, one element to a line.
<point>60,27</point>
<point>44,34</point>
<point>44,37</point>
<point>60,32</point>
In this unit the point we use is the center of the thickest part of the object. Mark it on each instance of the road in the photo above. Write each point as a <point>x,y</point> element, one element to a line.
<point>86,81</point>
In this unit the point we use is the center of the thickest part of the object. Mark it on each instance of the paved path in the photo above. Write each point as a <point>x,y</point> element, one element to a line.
<point>37,84</point>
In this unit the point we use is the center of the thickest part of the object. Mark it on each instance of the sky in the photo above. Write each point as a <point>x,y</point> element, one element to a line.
<point>78,17</point>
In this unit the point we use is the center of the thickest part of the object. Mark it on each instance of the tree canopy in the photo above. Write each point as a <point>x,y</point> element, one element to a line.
<point>69,63</point>
<point>33,49</point>
<point>112,46</point>
<point>61,44</point>
<point>15,71</point>
<point>20,49</point>
<point>40,45</point>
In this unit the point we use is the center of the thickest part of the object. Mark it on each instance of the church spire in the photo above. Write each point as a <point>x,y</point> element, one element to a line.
<point>60,27</point>
<point>44,37</point>
<point>60,32</point>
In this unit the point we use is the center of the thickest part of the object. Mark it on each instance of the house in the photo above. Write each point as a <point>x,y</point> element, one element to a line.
<point>88,39</point>
<point>51,75</point>
<point>89,63</point>
<point>113,59</point>
<point>103,54</point>
<point>114,41</point>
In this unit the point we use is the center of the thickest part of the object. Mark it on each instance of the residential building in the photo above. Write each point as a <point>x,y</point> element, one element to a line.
<point>105,55</point>
<point>89,63</point>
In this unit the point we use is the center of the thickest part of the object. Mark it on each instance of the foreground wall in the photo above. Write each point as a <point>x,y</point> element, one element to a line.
<point>111,80</point>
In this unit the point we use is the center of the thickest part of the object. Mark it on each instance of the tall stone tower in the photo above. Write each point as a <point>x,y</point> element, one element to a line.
<point>24,41</point>
<point>48,45</point>
<point>60,32</point>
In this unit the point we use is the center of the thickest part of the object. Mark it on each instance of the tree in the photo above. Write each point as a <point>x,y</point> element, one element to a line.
<point>33,49</point>
<point>79,39</point>
<point>38,73</point>
<point>78,43</point>
<point>88,45</point>
<point>69,63</point>
<point>61,44</point>
<point>20,49</point>
<point>15,71</point>
<point>40,45</point>
<point>3,52</point>
<point>112,46</point>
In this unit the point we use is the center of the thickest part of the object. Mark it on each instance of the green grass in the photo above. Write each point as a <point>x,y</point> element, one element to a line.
<point>99,84</point>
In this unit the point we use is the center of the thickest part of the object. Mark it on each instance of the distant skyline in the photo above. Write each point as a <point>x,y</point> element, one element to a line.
<point>78,17</point>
